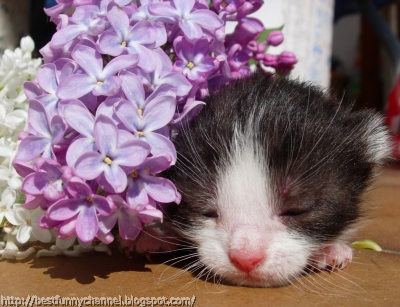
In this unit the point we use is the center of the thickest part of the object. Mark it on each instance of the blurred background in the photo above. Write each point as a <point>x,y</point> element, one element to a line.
<point>335,44</point>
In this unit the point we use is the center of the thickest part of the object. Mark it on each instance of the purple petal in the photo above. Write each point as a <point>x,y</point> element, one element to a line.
<point>109,87</point>
<point>165,89</point>
<point>35,183</point>
<point>38,118</point>
<point>184,6</point>
<point>106,108</point>
<point>87,224</point>
<point>106,224</point>
<point>75,86</point>
<point>33,202</point>
<point>191,30</point>
<point>143,33</point>
<point>132,153</point>
<point>132,87</point>
<point>51,192</point>
<point>160,189</point>
<point>149,215</point>
<point>105,134</point>
<point>159,112</point>
<point>80,119</point>
<point>118,19</point>
<point>206,18</point>
<point>78,148</point>
<point>58,128</point>
<point>67,228</point>
<point>158,163</point>
<point>90,165</point>
<point>31,146</point>
<point>179,81</point>
<point>46,77</point>
<point>64,209</point>
<point>116,177</point>
<point>89,59</point>
<point>121,62</point>
<point>163,9</point>
<point>78,188</point>
<point>111,43</point>
<point>32,90</point>
<point>146,57</point>
<point>63,36</point>
<point>23,168</point>
<point>160,144</point>
<point>129,225</point>
<point>128,114</point>
<point>102,205</point>
<point>136,194</point>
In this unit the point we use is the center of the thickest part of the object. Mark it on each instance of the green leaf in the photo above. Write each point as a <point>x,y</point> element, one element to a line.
<point>366,244</point>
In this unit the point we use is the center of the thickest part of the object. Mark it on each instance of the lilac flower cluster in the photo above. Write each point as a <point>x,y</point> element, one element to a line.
<point>118,77</point>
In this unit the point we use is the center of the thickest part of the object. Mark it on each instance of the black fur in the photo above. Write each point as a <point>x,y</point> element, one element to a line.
<point>316,151</point>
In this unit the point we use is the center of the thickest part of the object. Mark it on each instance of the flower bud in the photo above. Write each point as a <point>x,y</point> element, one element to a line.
<point>287,58</point>
<point>271,60</point>
<point>275,38</point>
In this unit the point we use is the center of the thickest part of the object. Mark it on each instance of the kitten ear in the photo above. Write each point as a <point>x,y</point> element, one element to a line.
<point>379,144</point>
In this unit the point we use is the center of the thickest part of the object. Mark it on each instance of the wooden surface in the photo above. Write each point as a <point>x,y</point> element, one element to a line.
<point>372,279</point>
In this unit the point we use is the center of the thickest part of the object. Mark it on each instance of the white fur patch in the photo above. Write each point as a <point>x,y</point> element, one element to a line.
<point>247,220</point>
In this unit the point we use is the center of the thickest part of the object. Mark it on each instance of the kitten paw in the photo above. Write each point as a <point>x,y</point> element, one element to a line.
<point>332,257</point>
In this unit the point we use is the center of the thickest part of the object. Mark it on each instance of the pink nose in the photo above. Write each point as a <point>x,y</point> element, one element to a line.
<point>246,263</point>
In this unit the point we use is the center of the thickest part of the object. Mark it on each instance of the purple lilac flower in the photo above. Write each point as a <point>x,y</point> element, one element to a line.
<point>48,78</point>
<point>194,61</point>
<point>45,134</point>
<point>84,20</point>
<point>130,220</point>
<point>97,80</point>
<point>46,184</point>
<point>191,22</point>
<point>145,123</point>
<point>142,13</point>
<point>142,183</point>
<point>130,39</point>
<point>163,74</point>
<point>106,164</point>
<point>79,212</point>
<point>134,91</point>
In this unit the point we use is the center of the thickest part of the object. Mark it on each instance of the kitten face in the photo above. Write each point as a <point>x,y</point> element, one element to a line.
<point>270,173</point>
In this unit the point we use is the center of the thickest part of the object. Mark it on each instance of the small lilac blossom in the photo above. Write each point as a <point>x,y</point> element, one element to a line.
<point>50,180</point>
<point>81,210</point>
<point>163,74</point>
<point>130,39</point>
<point>84,20</point>
<point>142,13</point>
<point>106,165</point>
<point>97,80</point>
<point>45,134</point>
<point>48,78</point>
<point>130,220</point>
<point>191,22</point>
<point>145,123</point>
<point>193,60</point>
<point>142,183</point>
<point>134,90</point>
